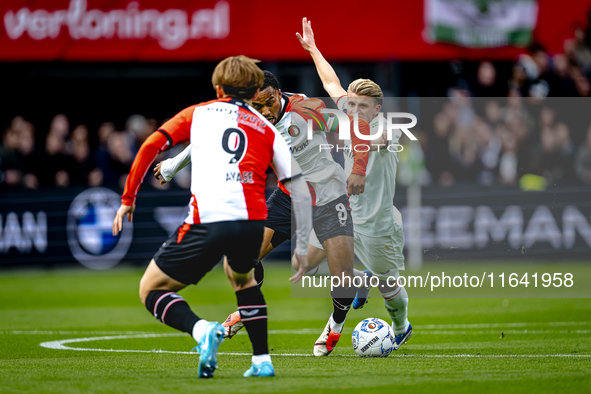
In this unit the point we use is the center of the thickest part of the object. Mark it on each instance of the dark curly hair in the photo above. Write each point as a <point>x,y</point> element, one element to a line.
<point>270,80</point>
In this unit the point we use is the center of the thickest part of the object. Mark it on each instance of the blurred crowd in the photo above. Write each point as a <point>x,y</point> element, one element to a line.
<point>70,157</point>
<point>527,130</point>
<point>519,130</point>
<point>526,142</point>
<point>535,73</point>
<point>513,141</point>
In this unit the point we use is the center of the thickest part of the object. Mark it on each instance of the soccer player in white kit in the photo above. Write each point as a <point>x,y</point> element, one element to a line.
<point>379,239</point>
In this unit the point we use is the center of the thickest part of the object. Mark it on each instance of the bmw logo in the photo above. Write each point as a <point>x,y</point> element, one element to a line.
<point>90,225</point>
<point>293,130</point>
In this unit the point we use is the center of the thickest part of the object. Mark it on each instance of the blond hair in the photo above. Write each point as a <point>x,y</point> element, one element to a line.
<point>239,76</point>
<point>367,87</point>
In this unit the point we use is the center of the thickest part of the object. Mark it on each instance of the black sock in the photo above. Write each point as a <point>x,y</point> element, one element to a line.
<point>259,273</point>
<point>342,298</point>
<point>253,312</point>
<point>172,310</point>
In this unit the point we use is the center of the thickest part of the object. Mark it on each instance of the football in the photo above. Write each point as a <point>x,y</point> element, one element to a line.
<point>373,337</point>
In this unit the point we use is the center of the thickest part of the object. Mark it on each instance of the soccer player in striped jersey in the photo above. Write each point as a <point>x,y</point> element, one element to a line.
<point>332,220</point>
<point>232,146</point>
<point>379,239</point>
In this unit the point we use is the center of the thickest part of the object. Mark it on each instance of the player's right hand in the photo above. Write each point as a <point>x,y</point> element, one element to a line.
<point>355,184</point>
<point>300,264</point>
<point>307,40</point>
<point>121,212</point>
<point>158,173</point>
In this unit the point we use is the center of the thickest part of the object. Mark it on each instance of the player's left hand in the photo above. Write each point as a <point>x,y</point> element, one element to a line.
<point>355,184</point>
<point>307,40</point>
<point>121,212</point>
<point>300,263</point>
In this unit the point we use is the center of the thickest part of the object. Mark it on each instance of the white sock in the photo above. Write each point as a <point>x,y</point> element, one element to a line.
<point>261,358</point>
<point>396,303</point>
<point>336,327</point>
<point>199,329</point>
<point>356,272</point>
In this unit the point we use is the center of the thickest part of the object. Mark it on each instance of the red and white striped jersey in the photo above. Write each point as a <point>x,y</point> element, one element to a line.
<point>232,147</point>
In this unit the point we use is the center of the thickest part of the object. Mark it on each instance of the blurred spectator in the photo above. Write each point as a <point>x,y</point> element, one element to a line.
<point>115,161</point>
<point>581,82</point>
<point>582,162</point>
<point>11,160</point>
<point>492,113</point>
<point>552,157</point>
<point>577,50</point>
<point>80,149</point>
<point>518,84</point>
<point>104,131</point>
<point>60,126</point>
<point>463,149</point>
<point>486,81</point>
<point>489,149</point>
<point>564,85</point>
<point>55,164</point>
<point>138,128</point>
<point>437,157</point>
<point>508,161</point>
<point>30,154</point>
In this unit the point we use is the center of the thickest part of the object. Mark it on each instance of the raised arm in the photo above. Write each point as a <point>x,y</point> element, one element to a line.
<point>327,75</point>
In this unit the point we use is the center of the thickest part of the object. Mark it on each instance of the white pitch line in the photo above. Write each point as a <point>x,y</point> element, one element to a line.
<point>496,325</point>
<point>310,331</point>
<point>41,332</point>
<point>518,332</point>
<point>60,345</point>
<point>314,331</point>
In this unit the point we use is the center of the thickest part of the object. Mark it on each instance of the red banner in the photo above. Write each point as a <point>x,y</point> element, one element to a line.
<point>183,30</point>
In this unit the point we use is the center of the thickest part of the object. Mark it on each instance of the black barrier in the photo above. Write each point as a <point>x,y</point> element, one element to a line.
<point>74,225</point>
<point>56,226</point>
<point>484,223</point>
<point>64,226</point>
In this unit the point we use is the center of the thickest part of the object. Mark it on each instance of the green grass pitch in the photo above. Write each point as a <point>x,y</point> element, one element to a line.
<point>457,345</point>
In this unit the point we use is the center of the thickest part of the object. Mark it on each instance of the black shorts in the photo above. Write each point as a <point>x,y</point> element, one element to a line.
<point>280,217</point>
<point>333,219</point>
<point>192,251</point>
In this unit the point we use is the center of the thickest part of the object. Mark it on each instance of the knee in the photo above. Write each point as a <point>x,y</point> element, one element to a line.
<point>347,273</point>
<point>241,281</point>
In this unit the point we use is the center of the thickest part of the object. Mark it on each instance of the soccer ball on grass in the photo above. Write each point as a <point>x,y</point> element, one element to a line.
<point>373,338</point>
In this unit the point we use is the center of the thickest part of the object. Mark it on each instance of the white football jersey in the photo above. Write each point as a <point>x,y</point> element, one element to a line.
<point>325,176</point>
<point>373,210</point>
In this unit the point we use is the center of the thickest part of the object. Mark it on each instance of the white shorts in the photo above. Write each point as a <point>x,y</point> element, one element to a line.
<point>383,256</point>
